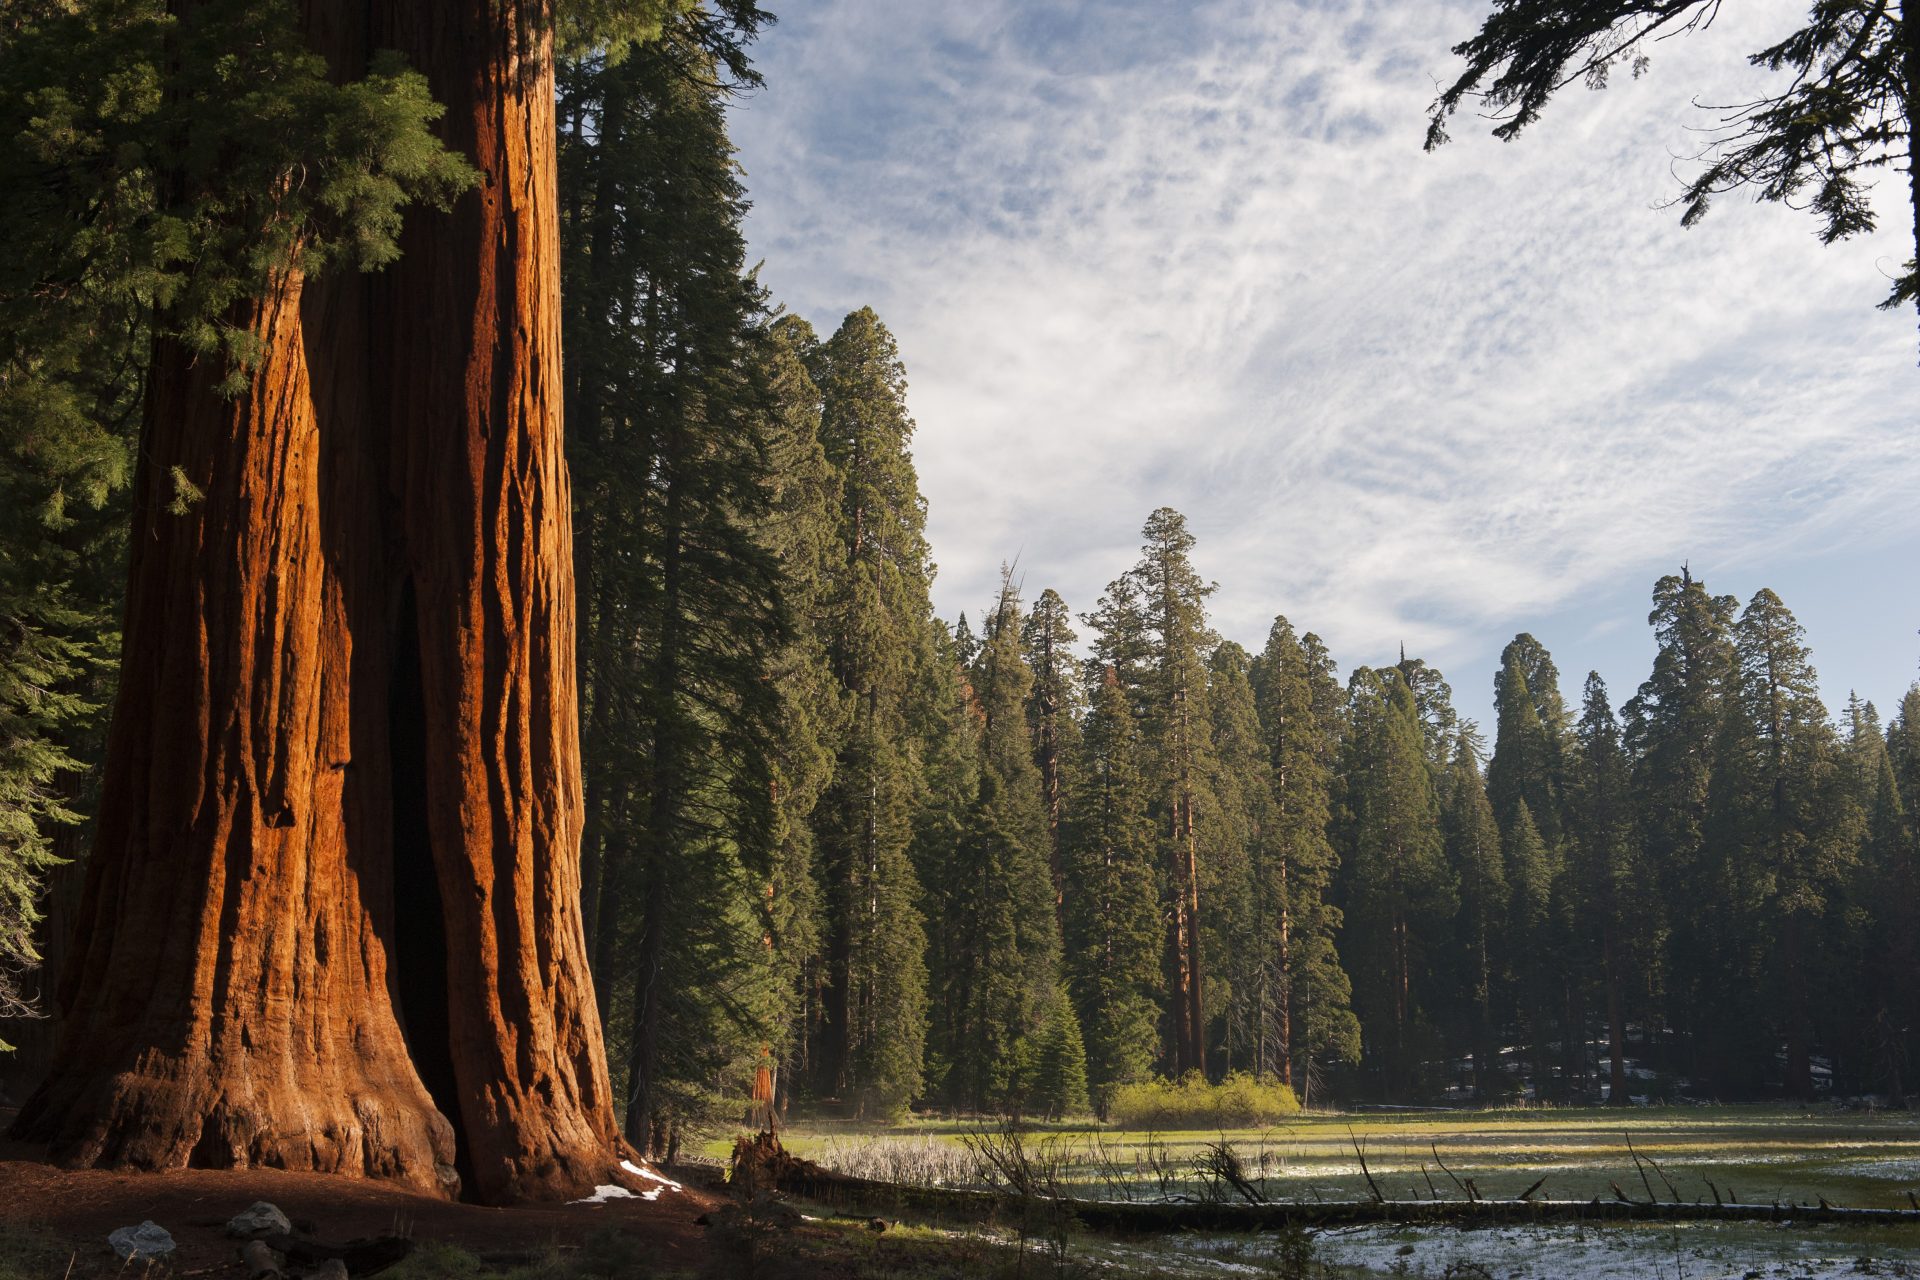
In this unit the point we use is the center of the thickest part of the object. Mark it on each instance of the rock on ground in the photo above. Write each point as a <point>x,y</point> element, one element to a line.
<point>148,1240</point>
<point>259,1219</point>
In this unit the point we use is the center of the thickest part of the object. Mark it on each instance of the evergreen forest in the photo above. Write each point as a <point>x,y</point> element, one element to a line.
<point>1005,862</point>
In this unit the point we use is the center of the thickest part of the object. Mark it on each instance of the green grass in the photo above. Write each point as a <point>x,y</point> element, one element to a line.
<point>605,1255</point>
<point>30,1254</point>
<point>1760,1154</point>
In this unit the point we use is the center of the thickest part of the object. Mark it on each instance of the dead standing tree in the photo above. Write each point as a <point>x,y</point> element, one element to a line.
<point>331,920</point>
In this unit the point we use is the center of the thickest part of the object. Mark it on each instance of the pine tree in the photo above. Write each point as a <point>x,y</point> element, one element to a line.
<point>880,642</point>
<point>947,844</point>
<point>1237,806</point>
<point>1672,731</point>
<point>1059,1086</point>
<point>1398,892</point>
<point>1893,861</point>
<point>1613,884</point>
<point>1113,934</point>
<point>1529,767</point>
<point>1776,820</point>
<point>1302,992</point>
<point>992,898</point>
<point>687,611</point>
<point>1173,642</point>
<point>1478,864</point>
<point>1529,738</point>
<point>799,531</point>
<point>1054,713</point>
<point>1323,992</point>
<point>72,379</point>
<point>965,647</point>
<point>33,713</point>
<point>1530,932</point>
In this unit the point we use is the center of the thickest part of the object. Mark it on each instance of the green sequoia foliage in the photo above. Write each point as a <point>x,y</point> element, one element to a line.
<point>187,161</point>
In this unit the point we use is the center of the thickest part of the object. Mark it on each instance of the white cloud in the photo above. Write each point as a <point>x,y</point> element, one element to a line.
<point>1145,255</point>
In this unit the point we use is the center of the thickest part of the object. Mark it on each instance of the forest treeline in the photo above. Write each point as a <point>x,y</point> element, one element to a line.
<point>1024,858</point>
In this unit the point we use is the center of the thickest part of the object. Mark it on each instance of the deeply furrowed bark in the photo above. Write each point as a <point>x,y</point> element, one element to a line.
<point>228,994</point>
<point>332,917</point>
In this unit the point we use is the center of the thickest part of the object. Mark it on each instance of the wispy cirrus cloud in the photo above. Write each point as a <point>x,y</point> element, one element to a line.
<point>1142,255</point>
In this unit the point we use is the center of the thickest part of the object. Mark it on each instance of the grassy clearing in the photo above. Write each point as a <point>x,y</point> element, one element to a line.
<point>1757,1154</point>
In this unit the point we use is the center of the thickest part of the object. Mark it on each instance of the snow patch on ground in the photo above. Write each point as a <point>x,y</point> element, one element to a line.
<point>602,1194</point>
<point>636,1170</point>
<point>1551,1253</point>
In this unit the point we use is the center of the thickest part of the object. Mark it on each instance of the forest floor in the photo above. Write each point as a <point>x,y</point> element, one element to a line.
<point>54,1225</point>
<point>53,1217</point>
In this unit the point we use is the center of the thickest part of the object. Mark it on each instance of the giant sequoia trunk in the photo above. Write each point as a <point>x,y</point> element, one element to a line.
<point>331,920</point>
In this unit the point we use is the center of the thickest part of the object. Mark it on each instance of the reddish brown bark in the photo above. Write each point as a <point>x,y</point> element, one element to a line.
<point>332,917</point>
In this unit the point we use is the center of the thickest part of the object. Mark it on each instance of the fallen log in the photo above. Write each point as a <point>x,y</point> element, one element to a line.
<point>1133,1216</point>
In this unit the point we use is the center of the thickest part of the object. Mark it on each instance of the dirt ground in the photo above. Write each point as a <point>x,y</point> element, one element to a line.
<point>82,1206</point>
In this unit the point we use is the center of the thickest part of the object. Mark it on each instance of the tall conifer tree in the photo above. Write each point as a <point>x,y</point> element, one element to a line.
<point>1398,890</point>
<point>1894,862</point>
<point>1113,934</point>
<point>1672,732</point>
<point>1777,849</point>
<point>1479,868</point>
<point>1612,885</point>
<point>1174,642</point>
<point>1302,991</point>
<point>800,531</point>
<point>1054,713</point>
<point>1237,809</point>
<point>686,614</point>
<point>997,982</point>
<point>880,642</point>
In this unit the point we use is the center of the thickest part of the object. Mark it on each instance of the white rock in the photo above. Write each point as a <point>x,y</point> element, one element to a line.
<point>148,1240</point>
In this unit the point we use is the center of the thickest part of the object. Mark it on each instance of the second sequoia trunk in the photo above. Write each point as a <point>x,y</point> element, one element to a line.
<point>332,917</point>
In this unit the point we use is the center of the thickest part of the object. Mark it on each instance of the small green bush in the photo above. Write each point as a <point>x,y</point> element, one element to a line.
<point>1241,1101</point>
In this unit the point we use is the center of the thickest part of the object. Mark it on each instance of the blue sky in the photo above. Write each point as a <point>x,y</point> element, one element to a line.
<point>1140,254</point>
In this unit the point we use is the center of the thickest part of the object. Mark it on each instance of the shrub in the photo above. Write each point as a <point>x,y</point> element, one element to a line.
<point>1240,1101</point>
